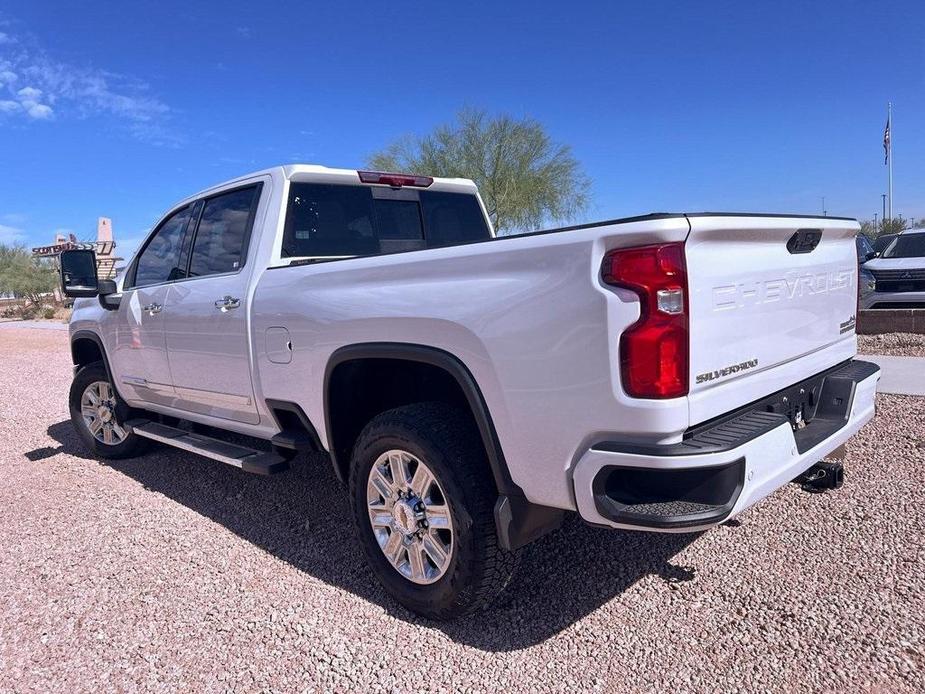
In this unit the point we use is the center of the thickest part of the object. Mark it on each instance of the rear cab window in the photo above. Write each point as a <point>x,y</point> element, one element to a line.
<point>330,221</point>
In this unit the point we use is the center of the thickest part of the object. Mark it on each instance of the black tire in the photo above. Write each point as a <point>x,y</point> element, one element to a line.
<point>448,442</point>
<point>131,446</point>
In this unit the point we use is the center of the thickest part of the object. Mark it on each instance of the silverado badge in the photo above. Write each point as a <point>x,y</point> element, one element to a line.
<point>725,371</point>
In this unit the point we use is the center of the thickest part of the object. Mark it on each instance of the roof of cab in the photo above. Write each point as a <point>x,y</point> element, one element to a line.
<point>318,173</point>
<point>323,174</point>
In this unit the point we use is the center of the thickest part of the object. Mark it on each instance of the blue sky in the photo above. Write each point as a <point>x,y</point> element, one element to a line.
<point>120,109</point>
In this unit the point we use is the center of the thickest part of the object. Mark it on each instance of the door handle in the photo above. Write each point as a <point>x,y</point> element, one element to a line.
<point>226,303</point>
<point>152,308</point>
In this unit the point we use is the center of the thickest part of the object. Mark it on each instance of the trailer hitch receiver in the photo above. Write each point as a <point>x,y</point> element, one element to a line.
<point>822,476</point>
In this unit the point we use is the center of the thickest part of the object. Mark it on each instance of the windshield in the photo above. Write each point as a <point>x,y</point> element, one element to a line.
<point>906,246</point>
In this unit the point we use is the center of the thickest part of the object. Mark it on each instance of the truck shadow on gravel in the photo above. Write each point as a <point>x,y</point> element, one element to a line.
<point>303,517</point>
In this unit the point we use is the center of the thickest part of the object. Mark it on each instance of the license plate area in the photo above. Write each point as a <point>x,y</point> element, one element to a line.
<point>797,403</point>
<point>816,407</point>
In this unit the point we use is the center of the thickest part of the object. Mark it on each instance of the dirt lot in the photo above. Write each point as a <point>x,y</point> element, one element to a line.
<point>173,572</point>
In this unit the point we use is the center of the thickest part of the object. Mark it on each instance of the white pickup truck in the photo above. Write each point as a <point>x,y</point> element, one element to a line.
<point>662,372</point>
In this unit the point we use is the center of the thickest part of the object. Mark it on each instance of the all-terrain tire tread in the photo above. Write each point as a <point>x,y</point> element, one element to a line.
<point>453,431</point>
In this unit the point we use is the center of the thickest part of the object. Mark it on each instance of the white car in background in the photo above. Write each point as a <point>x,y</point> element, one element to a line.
<point>899,274</point>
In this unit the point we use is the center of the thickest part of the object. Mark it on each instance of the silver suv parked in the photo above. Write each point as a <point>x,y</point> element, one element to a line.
<point>899,274</point>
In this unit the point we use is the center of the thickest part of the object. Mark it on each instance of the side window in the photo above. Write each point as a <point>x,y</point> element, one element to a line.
<point>221,237</point>
<point>160,259</point>
<point>452,218</point>
<point>329,220</point>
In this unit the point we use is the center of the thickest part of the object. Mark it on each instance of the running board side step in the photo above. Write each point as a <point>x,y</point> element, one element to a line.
<point>248,459</point>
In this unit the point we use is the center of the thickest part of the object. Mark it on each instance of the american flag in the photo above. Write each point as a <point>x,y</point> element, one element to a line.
<point>886,142</point>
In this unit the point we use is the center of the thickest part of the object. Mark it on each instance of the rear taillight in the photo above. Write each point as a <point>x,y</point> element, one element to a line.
<point>396,180</point>
<point>654,351</point>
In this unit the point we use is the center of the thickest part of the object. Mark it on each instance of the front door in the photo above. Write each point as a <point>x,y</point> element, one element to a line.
<point>207,329</point>
<point>140,353</point>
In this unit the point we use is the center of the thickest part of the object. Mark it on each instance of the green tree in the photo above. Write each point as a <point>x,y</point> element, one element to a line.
<point>23,276</point>
<point>893,226</point>
<point>524,178</point>
<point>889,226</point>
<point>869,230</point>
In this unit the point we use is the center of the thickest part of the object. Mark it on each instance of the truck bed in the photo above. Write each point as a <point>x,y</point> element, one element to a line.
<point>539,331</point>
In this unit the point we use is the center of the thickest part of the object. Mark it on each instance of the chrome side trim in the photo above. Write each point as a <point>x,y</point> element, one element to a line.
<point>144,383</point>
<point>209,397</point>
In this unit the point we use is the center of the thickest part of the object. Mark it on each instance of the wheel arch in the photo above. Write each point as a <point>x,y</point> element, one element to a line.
<point>430,356</point>
<point>518,521</point>
<point>86,348</point>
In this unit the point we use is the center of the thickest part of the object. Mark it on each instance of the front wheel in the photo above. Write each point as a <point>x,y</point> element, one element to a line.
<point>99,416</point>
<point>423,497</point>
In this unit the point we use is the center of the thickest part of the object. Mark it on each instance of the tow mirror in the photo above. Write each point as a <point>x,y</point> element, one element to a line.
<point>78,273</point>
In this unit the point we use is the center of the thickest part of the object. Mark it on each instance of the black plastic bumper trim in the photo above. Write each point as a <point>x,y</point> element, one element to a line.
<point>668,498</point>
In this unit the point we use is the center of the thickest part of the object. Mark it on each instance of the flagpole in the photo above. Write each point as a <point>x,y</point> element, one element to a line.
<point>890,154</point>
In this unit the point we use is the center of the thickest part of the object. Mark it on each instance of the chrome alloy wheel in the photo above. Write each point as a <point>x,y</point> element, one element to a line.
<point>410,517</point>
<point>98,409</point>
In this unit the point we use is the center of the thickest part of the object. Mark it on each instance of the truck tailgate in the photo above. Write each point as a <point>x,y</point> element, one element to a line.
<point>772,301</point>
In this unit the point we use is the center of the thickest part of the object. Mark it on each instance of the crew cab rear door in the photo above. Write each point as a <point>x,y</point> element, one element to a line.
<point>208,344</point>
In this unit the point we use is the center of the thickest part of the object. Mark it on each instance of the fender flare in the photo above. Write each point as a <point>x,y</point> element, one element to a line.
<point>93,337</point>
<point>442,360</point>
<point>518,521</point>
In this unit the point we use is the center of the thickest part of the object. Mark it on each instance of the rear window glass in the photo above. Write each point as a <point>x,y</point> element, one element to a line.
<point>452,218</point>
<point>399,219</point>
<point>342,220</point>
<point>326,220</point>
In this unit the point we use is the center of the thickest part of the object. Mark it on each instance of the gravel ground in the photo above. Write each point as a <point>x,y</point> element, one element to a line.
<point>173,572</point>
<point>34,324</point>
<point>893,344</point>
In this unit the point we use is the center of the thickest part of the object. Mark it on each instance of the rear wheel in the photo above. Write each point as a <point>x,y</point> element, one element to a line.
<point>99,416</point>
<point>423,498</point>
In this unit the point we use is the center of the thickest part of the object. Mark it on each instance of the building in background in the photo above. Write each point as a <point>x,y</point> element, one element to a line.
<point>105,247</point>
